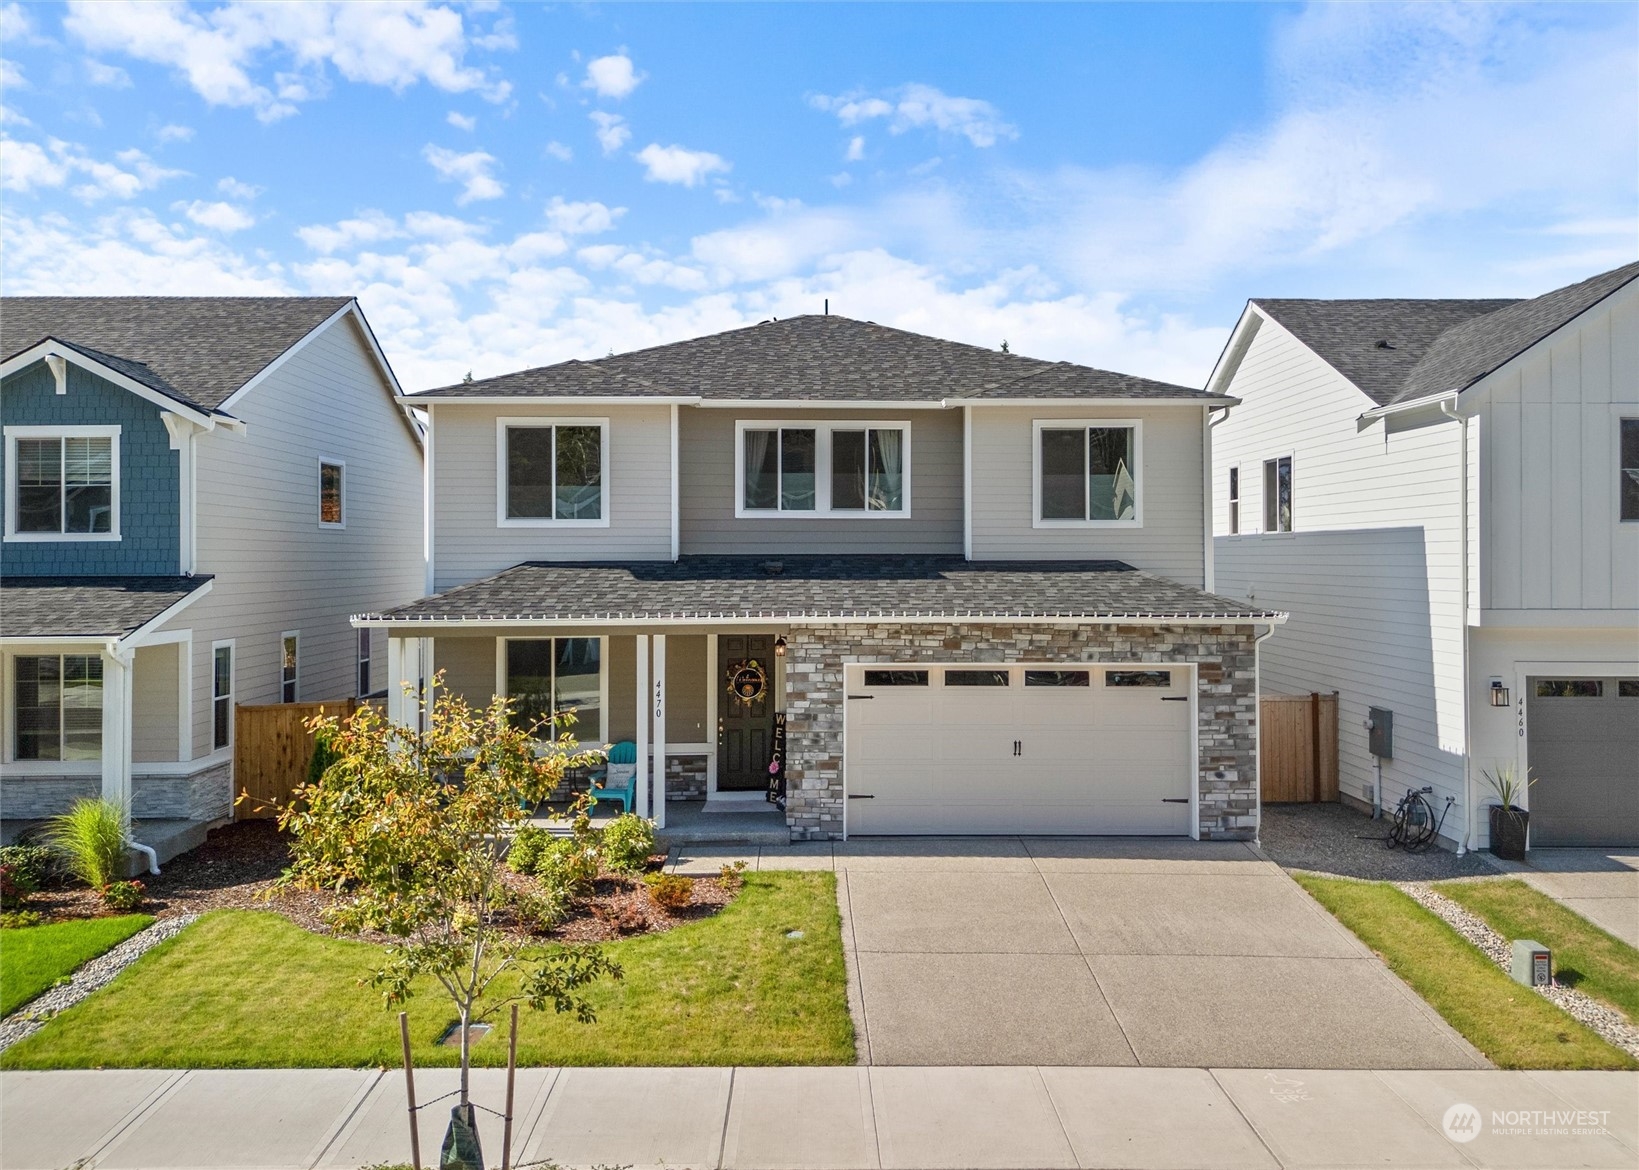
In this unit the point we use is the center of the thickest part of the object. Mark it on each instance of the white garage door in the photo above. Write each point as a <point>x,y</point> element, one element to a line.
<point>1018,749</point>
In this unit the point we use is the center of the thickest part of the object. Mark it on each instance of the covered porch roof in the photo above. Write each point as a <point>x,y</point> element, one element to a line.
<point>66,609</point>
<point>701,590</point>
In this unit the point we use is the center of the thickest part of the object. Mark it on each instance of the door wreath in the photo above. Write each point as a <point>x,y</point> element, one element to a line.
<point>747,680</point>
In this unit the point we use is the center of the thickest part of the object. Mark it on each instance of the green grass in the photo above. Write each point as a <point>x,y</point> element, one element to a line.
<point>1514,1026</point>
<point>1585,957</point>
<point>249,989</point>
<point>34,958</point>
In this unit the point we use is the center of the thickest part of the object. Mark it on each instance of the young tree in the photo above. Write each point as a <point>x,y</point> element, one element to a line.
<point>407,827</point>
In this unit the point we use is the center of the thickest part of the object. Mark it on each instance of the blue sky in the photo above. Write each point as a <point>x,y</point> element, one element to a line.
<point>505,186</point>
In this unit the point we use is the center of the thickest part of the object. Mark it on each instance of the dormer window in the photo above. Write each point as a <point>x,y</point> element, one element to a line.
<point>62,483</point>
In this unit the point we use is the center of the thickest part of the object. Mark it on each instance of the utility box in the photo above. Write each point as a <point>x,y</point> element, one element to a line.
<point>1380,735</point>
<point>1533,964</point>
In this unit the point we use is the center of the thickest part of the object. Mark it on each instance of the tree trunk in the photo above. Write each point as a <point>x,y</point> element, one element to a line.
<point>466,1049</point>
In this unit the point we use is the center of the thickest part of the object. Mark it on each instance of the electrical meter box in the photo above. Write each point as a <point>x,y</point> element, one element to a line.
<point>1380,736</point>
<point>1533,964</point>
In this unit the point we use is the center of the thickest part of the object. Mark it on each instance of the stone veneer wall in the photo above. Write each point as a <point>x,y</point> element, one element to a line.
<point>685,777</point>
<point>1226,700</point>
<point>207,795</point>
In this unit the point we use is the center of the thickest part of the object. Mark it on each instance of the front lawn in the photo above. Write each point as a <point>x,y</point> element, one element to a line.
<point>1585,957</point>
<point>1512,1025</point>
<point>247,989</point>
<point>34,958</point>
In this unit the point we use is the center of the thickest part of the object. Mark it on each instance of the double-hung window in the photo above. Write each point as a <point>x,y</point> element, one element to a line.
<point>364,663</point>
<point>222,694</point>
<point>58,707</point>
<point>289,645</point>
<point>546,677</point>
<point>1277,494</point>
<point>1089,473</point>
<point>1629,486</point>
<point>62,483</point>
<point>834,469</point>
<point>552,471</point>
<point>1234,500</point>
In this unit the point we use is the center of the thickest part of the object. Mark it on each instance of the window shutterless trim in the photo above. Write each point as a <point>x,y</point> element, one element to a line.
<point>1266,501</point>
<point>1234,510</point>
<point>822,429</point>
<point>295,680</point>
<point>228,695</point>
<point>505,423</point>
<point>341,466</point>
<point>1037,426</point>
<point>13,433</point>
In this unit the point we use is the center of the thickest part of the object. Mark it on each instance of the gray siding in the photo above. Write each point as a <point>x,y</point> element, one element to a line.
<point>468,541</point>
<point>155,703</point>
<point>1172,539</point>
<point>707,489</point>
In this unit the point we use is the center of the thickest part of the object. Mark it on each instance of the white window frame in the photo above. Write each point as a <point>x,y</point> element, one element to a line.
<point>295,682</point>
<point>603,679</point>
<point>1233,512</point>
<point>1263,494</point>
<point>364,663</point>
<point>341,465</point>
<point>1068,424</point>
<point>233,689</point>
<point>822,429</point>
<point>43,767</point>
<point>14,433</point>
<point>502,425</point>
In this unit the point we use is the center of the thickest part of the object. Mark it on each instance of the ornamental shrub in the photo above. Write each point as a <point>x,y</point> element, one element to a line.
<point>14,890</point>
<point>124,896</point>
<point>568,867</point>
<point>628,841</point>
<point>30,865</point>
<point>90,838</point>
<point>527,845</point>
<point>671,891</point>
<point>17,919</point>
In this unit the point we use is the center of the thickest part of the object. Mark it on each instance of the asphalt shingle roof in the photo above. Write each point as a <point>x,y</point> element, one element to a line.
<point>101,607</point>
<point>196,349</point>
<point>1402,350</point>
<point>857,587</point>
<point>820,358</point>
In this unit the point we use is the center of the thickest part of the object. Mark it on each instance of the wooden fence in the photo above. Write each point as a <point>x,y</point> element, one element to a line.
<point>271,752</point>
<point>1297,747</point>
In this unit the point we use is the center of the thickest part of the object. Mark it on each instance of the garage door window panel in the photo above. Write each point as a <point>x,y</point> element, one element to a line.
<point>1138,678</point>
<point>896,678</point>
<point>1057,678</point>
<point>1570,688</point>
<point>976,678</point>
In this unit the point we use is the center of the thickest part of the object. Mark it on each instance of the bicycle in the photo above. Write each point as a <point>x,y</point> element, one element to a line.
<point>1414,827</point>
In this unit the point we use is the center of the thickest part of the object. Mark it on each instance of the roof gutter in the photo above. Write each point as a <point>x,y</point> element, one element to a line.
<point>1216,401</point>
<point>1412,404</point>
<point>378,622</point>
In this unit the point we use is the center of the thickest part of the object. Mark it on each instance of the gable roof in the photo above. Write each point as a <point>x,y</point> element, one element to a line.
<point>198,350</point>
<point>85,607</point>
<point>1400,350</point>
<point>817,358</point>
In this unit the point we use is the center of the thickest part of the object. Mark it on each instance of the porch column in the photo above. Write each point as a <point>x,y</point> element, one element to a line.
<point>711,715</point>
<point>404,680</point>
<point>116,726</point>
<point>642,710</point>
<point>660,731</point>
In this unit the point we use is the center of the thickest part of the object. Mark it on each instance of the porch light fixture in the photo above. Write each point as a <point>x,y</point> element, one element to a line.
<point>1499,693</point>
<point>779,647</point>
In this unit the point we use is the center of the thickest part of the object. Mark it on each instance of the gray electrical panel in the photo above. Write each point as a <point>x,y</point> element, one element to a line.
<point>1380,738</point>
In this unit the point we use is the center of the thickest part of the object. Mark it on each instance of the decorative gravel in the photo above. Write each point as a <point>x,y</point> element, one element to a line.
<point>1335,839</point>
<point>91,976</point>
<point>1607,1021</point>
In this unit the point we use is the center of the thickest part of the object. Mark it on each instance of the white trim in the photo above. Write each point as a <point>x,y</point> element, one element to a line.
<point>657,707</point>
<point>146,632</point>
<point>823,430</point>
<point>429,397</point>
<point>184,686</point>
<point>428,512</point>
<point>182,431</point>
<point>273,366</point>
<point>602,640</point>
<point>341,465</point>
<point>711,714</point>
<point>967,483</point>
<point>507,422</point>
<point>1092,401</point>
<point>822,404</point>
<point>677,510</point>
<point>1263,494</point>
<point>58,769</point>
<point>1038,425</point>
<point>51,347</point>
<point>296,675</point>
<point>830,619</point>
<point>14,433</point>
<point>1235,349</point>
<point>642,729</point>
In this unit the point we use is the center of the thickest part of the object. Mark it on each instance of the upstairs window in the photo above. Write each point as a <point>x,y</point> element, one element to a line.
<point>552,471</point>
<point>823,469</point>
<point>1088,473</point>
<point>1277,494</point>
<point>331,494</point>
<point>63,483</point>
<point>1629,486</point>
<point>1234,500</point>
<point>58,707</point>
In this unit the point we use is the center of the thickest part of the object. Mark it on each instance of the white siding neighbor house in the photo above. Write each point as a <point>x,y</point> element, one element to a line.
<point>199,492</point>
<point>1445,497</point>
<point>891,583</point>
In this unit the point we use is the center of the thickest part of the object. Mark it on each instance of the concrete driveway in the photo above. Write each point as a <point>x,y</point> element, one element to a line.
<point>1106,951</point>
<point>1602,885</point>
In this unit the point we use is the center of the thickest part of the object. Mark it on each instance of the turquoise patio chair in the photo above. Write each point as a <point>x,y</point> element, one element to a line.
<point>616,780</point>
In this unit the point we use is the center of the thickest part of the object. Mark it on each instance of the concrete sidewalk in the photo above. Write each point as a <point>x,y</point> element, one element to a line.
<point>835,1118</point>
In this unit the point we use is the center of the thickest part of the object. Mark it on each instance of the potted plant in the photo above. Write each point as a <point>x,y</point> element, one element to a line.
<point>1509,821</point>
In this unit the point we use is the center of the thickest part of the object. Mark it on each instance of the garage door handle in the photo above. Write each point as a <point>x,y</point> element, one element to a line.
<point>1175,800</point>
<point>862,696</point>
<point>862,796</point>
<point>1175,698</point>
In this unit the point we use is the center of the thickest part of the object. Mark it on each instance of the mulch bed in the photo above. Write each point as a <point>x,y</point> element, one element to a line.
<point>236,867</point>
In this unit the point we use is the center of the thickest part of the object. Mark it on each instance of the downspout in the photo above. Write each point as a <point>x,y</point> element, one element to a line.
<point>1209,573</point>
<point>1257,715</point>
<point>1447,409</point>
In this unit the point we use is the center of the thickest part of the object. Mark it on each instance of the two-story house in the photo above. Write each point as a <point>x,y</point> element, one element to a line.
<point>199,491</point>
<point>943,588</point>
<point>1445,496</point>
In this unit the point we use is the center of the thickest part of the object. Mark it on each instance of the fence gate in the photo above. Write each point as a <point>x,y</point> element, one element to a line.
<point>1297,747</point>
<point>271,751</point>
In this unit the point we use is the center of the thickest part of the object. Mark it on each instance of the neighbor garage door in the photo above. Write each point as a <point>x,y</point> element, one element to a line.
<point>1583,745</point>
<point>1018,749</point>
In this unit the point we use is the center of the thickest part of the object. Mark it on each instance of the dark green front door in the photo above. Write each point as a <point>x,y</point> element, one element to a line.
<point>745,731</point>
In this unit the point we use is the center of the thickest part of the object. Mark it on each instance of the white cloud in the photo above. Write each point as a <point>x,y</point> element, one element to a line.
<point>676,164</point>
<point>111,76</point>
<point>581,219</point>
<point>172,132</point>
<point>11,75</point>
<point>30,166</point>
<point>234,189</point>
<point>473,170</point>
<point>611,130</point>
<point>219,51</point>
<point>916,106</point>
<point>559,151</point>
<point>369,227</point>
<point>613,76</point>
<point>218,217</point>
<point>15,24</point>
<point>856,148</point>
<point>461,121</point>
